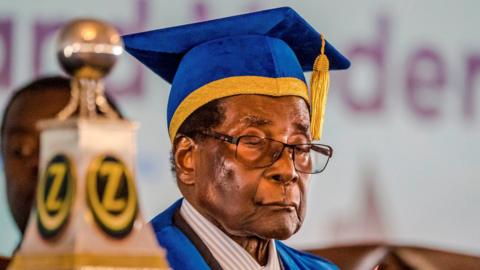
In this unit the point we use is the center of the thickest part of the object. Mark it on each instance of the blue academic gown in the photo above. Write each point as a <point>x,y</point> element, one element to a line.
<point>183,255</point>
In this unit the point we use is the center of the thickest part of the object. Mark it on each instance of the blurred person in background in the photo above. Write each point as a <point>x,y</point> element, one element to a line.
<point>20,139</point>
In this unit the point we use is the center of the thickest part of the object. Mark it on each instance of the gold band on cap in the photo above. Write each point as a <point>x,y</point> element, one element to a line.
<point>231,86</point>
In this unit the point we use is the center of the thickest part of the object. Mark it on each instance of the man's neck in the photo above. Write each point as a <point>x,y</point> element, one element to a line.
<point>256,247</point>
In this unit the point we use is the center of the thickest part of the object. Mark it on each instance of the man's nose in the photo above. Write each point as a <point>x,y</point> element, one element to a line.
<point>283,169</point>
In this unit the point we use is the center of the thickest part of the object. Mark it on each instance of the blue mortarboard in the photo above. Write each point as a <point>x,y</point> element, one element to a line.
<point>263,52</point>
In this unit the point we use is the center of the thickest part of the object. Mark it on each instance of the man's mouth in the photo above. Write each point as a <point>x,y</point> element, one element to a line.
<point>290,206</point>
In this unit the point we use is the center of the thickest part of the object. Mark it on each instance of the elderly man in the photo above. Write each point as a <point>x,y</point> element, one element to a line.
<point>241,124</point>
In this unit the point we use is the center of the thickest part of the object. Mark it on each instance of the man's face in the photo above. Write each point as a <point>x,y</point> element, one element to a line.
<point>267,202</point>
<point>21,146</point>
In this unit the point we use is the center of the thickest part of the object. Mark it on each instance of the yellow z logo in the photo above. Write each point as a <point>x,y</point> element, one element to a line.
<point>54,197</point>
<point>111,195</point>
<point>57,170</point>
<point>113,171</point>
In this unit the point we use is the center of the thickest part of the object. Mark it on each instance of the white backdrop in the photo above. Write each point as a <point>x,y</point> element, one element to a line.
<point>404,121</point>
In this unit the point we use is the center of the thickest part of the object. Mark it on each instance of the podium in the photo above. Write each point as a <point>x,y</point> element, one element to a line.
<point>87,213</point>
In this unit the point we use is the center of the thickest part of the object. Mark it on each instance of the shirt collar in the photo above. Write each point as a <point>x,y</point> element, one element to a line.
<point>228,253</point>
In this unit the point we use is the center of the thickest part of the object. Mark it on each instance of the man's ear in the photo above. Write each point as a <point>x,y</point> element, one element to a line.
<point>184,164</point>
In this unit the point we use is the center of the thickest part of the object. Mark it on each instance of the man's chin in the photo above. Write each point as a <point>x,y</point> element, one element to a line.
<point>279,231</point>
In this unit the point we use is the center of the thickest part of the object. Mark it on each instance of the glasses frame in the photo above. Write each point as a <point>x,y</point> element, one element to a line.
<point>236,140</point>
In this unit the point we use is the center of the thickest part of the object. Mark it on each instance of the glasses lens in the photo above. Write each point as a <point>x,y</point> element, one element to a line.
<point>257,152</point>
<point>303,160</point>
<point>312,158</point>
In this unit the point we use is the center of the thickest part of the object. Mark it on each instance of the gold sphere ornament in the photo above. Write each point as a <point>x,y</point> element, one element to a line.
<point>88,48</point>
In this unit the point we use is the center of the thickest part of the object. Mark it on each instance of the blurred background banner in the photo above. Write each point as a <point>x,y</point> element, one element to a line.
<point>403,121</point>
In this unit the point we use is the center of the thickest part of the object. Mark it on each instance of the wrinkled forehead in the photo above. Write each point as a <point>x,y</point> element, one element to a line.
<point>263,111</point>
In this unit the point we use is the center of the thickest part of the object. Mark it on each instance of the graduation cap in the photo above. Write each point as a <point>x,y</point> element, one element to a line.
<point>262,53</point>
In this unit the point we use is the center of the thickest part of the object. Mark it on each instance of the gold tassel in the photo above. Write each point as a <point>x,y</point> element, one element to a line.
<point>319,91</point>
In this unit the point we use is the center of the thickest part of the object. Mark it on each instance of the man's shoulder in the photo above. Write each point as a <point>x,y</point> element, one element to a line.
<point>302,260</point>
<point>167,234</point>
<point>164,220</point>
<point>175,242</point>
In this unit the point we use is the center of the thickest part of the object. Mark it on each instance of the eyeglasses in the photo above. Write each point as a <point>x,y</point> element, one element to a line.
<point>258,152</point>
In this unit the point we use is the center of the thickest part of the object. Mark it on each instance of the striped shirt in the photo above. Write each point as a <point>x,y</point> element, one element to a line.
<point>229,254</point>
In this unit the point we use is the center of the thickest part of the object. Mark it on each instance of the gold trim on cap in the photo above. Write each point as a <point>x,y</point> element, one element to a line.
<point>231,86</point>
